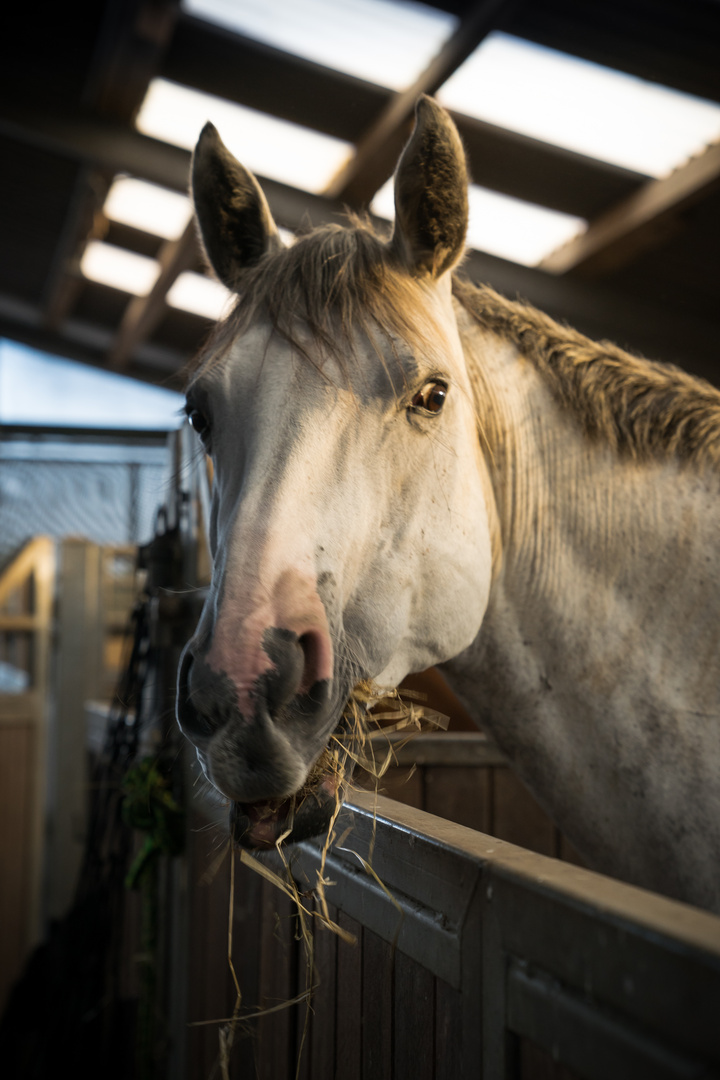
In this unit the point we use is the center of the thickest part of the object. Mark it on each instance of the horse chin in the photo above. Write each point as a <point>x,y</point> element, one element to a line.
<point>260,825</point>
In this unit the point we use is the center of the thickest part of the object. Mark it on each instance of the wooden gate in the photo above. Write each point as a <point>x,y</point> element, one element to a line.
<point>482,959</point>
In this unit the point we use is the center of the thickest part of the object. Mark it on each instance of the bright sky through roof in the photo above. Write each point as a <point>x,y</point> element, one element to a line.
<point>584,107</point>
<point>381,41</point>
<point>39,389</point>
<point>270,147</point>
<point>501,225</point>
<point>119,268</point>
<point>201,295</point>
<point>154,209</point>
<point>136,274</point>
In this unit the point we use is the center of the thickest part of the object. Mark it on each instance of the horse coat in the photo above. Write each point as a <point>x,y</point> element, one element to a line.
<point>412,471</point>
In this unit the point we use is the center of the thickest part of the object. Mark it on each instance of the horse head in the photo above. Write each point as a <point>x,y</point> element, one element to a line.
<point>350,523</point>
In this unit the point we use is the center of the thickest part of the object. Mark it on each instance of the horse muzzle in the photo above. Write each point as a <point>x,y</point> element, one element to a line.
<point>265,751</point>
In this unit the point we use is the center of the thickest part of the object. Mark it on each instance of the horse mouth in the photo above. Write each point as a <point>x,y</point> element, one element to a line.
<point>262,825</point>
<point>310,812</point>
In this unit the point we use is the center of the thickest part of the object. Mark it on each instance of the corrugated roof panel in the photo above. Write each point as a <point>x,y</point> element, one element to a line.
<point>382,41</point>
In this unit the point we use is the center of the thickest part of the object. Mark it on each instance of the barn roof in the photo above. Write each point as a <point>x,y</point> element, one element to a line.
<point>73,79</point>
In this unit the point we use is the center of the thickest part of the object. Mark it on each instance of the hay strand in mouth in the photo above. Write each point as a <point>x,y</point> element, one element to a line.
<point>361,740</point>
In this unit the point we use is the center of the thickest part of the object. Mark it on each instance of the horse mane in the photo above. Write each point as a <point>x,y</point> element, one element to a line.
<point>641,408</point>
<point>335,280</point>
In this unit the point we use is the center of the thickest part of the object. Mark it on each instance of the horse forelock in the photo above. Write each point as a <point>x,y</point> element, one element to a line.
<point>641,408</point>
<point>331,283</point>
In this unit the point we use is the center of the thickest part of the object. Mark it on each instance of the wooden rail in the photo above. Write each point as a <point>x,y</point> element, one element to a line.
<point>485,960</point>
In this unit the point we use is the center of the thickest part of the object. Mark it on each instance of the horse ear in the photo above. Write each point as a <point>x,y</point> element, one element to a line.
<point>236,226</point>
<point>431,201</point>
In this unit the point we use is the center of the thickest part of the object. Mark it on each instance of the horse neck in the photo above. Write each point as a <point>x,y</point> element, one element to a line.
<point>573,514</point>
<point>597,666</point>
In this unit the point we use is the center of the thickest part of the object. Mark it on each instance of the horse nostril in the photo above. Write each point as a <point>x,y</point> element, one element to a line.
<point>311,645</point>
<point>284,682</point>
<point>204,700</point>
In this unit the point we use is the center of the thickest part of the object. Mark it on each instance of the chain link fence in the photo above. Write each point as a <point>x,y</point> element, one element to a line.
<point>104,489</point>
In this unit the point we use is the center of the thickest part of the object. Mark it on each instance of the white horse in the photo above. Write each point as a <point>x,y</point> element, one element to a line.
<point>413,471</point>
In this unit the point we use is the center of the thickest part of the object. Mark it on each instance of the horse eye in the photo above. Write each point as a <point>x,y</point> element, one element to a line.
<point>199,422</point>
<point>432,396</point>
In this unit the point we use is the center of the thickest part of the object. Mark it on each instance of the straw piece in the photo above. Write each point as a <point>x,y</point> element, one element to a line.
<point>371,714</point>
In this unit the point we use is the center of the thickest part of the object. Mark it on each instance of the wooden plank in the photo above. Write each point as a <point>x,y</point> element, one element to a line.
<point>323,1035</point>
<point>459,794</point>
<point>639,220</point>
<point>377,1008</point>
<point>246,960</point>
<point>414,1010</point>
<point>598,962</point>
<point>406,784</point>
<point>37,559</point>
<point>517,817</point>
<point>652,963</point>
<point>417,897</point>
<point>276,1041</point>
<point>587,1039</point>
<point>19,708</point>
<point>534,1063</point>
<point>447,748</point>
<point>19,623</point>
<point>79,679</point>
<point>208,997</point>
<point>349,997</point>
<point>17,802</point>
<point>652,960</point>
<point>26,589</point>
<point>448,1033</point>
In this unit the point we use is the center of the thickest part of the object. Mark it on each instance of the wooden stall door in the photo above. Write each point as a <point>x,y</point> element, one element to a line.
<point>26,598</point>
<point>482,960</point>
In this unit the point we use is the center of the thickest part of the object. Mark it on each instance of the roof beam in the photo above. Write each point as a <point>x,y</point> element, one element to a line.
<point>110,145</point>
<point>143,313</point>
<point>634,224</point>
<point>377,151</point>
<point>62,285</point>
<point>499,159</point>
<point>88,343</point>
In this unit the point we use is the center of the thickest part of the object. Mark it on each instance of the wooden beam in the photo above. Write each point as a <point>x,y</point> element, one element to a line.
<point>107,144</point>
<point>502,160</point>
<point>639,220</point>
<point>89,343</point>
<point>377,151</point>
<point>129,47</point>
<point>143,313</point>
<point>63,286</point>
